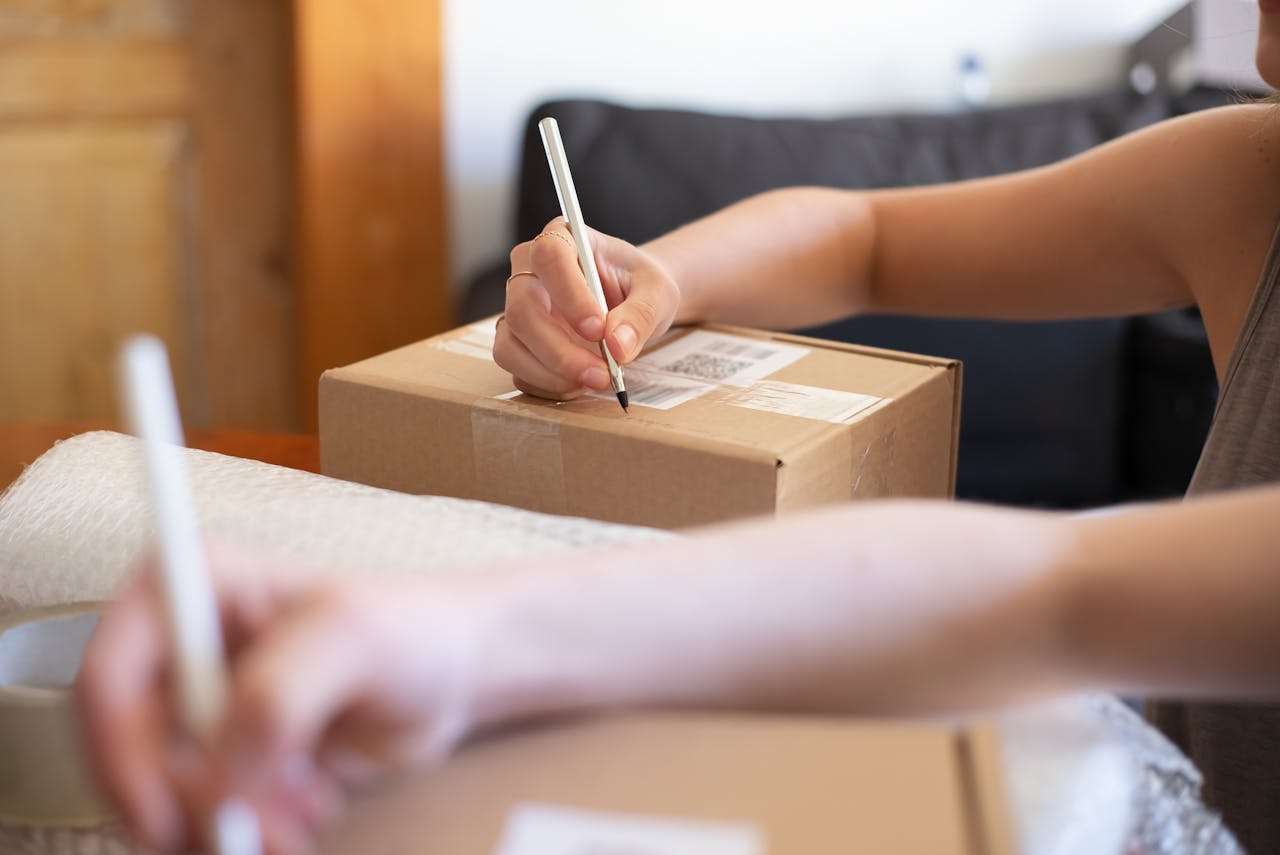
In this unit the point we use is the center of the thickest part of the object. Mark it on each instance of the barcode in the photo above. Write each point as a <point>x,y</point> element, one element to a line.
<point>649,393</point>
<point>706,366</point>
<point>740,348</point>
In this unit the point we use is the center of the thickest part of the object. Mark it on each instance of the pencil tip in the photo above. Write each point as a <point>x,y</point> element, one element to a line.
<point>622,399</point>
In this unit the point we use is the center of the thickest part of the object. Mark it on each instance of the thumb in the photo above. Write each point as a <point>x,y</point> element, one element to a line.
<point>645,313</point>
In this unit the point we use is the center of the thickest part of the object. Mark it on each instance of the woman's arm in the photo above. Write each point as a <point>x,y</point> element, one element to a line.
<point>1155,219</point>
<point>903,608</point>
<point>1177,213</point>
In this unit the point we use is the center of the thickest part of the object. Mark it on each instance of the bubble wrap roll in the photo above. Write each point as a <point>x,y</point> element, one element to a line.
<point>73,525</point>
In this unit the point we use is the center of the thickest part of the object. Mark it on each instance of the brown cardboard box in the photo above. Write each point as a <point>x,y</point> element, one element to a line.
<point>744,422</point>
<point>799,785</point>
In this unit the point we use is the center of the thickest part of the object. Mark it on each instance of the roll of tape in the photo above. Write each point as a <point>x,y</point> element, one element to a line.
<point>45,778</point>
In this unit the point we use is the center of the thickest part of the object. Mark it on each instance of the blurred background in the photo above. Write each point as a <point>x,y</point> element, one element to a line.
<point>279,187</point>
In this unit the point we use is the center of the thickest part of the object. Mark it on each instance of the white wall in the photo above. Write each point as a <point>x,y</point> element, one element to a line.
<point>781,57</point>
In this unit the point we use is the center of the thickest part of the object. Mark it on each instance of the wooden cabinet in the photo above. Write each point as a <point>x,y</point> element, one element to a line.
<point>158,173</point>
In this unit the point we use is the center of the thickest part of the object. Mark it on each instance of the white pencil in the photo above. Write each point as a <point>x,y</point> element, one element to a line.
<point>151,410</point>
<point>572,212</point>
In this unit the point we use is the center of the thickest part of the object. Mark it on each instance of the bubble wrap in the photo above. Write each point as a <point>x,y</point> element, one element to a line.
<point>73,525</point>
<point>1086,774</point>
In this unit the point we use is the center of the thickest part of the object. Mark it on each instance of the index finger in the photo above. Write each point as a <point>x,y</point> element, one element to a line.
<point>554,257</point>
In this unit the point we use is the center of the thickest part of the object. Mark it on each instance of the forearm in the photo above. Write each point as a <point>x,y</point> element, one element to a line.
<point>786,258</point>
<point>1181,599</point>
<point>905,607</point>
<point>901,608</point>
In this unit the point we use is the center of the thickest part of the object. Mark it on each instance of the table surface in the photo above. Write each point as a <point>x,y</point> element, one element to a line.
<point>22,442</point>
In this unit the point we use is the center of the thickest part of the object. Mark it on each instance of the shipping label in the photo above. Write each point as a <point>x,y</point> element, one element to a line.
<point>534,829</point>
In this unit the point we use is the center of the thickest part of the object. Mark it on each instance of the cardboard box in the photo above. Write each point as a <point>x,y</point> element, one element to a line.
<point>753,784</point>
<point>725,422</point>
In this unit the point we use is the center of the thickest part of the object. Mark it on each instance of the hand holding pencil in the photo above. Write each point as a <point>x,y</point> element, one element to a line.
<point>551,334</point>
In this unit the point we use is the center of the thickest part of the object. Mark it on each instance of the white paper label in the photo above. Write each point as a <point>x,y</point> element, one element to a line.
<point>714,357</point>
<point>807,402</point>
<point>547,830</point>
<point>475,341</point>
<point>699,363</point>
<point>650,388</point>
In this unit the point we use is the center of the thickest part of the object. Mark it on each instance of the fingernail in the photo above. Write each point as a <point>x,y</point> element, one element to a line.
<point>625,337</point>
<point>592,328</point>
<point>595,378</point>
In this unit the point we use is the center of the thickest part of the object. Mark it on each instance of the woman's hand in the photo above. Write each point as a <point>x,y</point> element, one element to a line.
<point>549,332</point>
<point>329,681</point>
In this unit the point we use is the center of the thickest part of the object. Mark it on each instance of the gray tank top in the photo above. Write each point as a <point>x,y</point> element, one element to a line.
<point>1238,747</point>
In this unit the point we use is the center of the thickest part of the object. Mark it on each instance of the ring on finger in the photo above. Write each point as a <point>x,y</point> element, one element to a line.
<point>556,233</point>
<point>521,273</point>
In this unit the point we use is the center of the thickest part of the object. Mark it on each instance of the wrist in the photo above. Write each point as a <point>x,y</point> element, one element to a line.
<point>1071,642</point>
<point>663,253</point>
<point>526,662</point>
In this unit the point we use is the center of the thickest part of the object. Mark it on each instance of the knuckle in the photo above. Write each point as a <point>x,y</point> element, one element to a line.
<point>518,254</point>
<point>518,313</point>
<point>566,366</point>
<point>668,291</point>
<point>502,351</point>
<point>524,293</point>
<point>545,253</point>
<point>563,394</point>
<point>644,310</point>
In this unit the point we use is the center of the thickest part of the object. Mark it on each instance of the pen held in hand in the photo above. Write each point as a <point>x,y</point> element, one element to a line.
<point>147,399</point>
<point>572,211</point>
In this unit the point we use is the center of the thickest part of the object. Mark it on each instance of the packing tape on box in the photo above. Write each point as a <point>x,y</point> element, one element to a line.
<point>44,776</point>
<point>518,458</point>
<point>871,482</point>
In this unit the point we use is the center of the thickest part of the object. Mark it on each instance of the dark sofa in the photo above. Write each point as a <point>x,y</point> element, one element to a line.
<point>1061,414</point>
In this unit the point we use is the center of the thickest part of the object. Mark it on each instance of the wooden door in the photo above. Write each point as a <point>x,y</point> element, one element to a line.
<point>145,185</point>
<point>258,182</point>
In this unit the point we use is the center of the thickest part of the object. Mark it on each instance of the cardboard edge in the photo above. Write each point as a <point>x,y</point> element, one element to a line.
<point>983,786</point>
<point>956,370</point>
<point>827,344</point>
<point>355,374</point>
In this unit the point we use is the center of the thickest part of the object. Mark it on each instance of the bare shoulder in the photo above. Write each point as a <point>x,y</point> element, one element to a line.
<point>1210,190</point>
<point>1230,154</point>
<point>1197,168</point>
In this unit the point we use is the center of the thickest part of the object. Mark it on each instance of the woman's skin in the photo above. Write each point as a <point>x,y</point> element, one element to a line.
<point>892,607</point>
